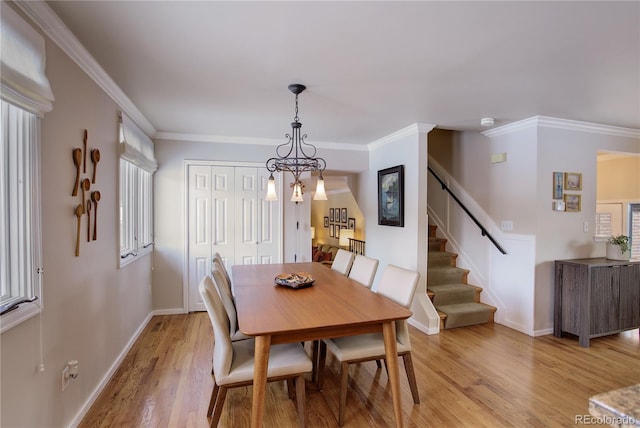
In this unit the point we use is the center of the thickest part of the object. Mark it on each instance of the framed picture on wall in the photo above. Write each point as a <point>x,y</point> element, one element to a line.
<point>343,215</point>
<point>557,185</point>
<point>326,222</point>
<point>352,224</point>
<point>391,196</point>
<point>331,214</point>
<point>332,231</point>
<point>337,231</point>
<point>572,203</point>
<point>572,181</point>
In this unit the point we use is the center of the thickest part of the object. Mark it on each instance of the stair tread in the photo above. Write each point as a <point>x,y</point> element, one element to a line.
<point>465,308</point>
<point>451,287</point>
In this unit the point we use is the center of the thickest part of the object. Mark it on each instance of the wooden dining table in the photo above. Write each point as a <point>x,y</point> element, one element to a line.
<point>334,306</point>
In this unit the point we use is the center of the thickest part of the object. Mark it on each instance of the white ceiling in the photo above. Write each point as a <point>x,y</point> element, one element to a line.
<point>371,68</point>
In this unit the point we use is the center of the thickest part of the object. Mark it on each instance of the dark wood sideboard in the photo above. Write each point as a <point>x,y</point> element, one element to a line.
<point>596,297</point>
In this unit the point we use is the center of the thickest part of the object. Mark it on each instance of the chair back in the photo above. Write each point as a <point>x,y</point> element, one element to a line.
<point>222,351</point>
<point>398,284</point>
<point>224,291</point>
<point>217,261</point>
<point>363,270</point>
<point>342,261</point>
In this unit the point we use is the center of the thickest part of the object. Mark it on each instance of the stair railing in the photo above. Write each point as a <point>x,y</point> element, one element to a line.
<point>483,230</point>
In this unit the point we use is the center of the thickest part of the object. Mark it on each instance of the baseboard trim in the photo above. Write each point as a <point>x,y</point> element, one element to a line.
<point>107,377</point>
<point>175,311</point>
<point>423,328</point>
<point>542,332</point>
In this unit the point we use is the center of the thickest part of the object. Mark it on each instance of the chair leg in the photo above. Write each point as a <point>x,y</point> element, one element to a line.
<point>411,376</point>
<point>300,399</point>
<point>314,359</point>
<point>217,409</point>
<point>344,377</point>
<point>291,389</point>
<point>378,364</point>
<point>214,396</point>
<point>321,363</point>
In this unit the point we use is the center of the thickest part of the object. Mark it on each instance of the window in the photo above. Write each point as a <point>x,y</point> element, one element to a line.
<point>25,96</point>
<point>634,230</point>
<point>137,165</point>
<point>20,216</point>
<point>603,225</point>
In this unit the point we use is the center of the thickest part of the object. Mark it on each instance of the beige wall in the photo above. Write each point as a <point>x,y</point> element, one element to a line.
<point>92,309</point>
<point>619,179</point>
<point>320,209</point>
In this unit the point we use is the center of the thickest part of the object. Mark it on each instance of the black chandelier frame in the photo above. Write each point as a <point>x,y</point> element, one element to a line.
<point>296,155</point>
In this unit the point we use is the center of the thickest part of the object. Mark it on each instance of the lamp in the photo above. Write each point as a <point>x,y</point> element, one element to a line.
<point>313,233</point>
<point>296,156</point>
<point>345,235</point>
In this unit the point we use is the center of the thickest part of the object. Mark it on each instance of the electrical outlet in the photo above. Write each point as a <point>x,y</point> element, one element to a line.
<point>65,377</point>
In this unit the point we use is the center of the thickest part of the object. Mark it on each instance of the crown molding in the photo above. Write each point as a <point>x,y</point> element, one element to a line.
<point>567,124</point>
<point>404,132</point>
<point>256,141</point>
<point>53,27</point>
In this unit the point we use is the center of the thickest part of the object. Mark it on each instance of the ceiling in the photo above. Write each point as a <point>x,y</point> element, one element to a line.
<point>371,68</point>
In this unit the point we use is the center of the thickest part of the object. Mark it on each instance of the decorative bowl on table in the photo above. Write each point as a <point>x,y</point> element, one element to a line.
<point>295,280</point>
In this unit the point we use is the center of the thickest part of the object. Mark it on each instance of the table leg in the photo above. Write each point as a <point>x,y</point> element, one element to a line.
<point>391,352</point>
<point>261,361</point>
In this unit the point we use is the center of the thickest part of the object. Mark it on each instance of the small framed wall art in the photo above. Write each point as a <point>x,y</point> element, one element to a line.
<point>557,185</point>
<point>572,181</point>
<point>572,203</point>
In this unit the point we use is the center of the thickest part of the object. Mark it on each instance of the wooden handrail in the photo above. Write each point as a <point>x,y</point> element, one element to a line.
<point>484,231</point>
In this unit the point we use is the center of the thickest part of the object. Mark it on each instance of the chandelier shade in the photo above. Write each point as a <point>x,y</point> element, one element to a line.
<point>296,156</point>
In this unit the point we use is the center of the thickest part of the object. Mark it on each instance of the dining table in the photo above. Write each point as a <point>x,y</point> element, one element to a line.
<point>333,306</point>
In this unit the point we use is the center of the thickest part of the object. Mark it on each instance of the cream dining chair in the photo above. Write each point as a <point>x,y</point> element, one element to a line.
<point>223,288</point>
<point>342,262</point>
<point>233,361</point>
<point>217,258</point>
<point>363,270</point>
<point>396,284</point>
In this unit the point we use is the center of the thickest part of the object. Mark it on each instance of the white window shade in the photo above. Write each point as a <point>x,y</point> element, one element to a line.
<point>23,60</point>
<point>135,146</point>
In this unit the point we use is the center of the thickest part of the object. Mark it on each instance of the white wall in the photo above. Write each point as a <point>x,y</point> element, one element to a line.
<point>402,246</point>
<point>560,235</point>
<point>520,190</point>
<point>170,188</point>
<point>92,309</point>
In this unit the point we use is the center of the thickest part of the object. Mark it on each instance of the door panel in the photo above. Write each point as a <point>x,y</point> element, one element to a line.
<point>228,215</point>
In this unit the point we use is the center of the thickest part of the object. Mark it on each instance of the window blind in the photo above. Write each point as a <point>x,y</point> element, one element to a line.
<point>135,146</point>
<point>22,64</point>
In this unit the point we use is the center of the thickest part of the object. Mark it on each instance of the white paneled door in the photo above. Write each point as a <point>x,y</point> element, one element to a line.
<point>228,215</point>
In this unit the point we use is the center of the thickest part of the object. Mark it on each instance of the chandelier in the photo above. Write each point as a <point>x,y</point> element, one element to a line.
<point>296,156</point>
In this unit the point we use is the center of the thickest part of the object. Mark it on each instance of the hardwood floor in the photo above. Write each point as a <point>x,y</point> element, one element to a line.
<point>479,376</point>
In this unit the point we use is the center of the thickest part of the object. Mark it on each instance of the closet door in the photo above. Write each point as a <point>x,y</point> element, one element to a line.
<point>228,214</point>
<point>258,222</point>
<point>211,196</point>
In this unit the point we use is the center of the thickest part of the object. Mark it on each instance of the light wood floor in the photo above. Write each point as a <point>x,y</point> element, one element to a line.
<point>481,376</point>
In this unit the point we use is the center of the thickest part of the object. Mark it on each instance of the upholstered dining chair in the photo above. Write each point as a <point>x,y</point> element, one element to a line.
<point>223,288</point>
<point>234,363</point>
<point>217,258</point>
<point>399,285</point>
<point>342,261</point>
<point>363,270</point>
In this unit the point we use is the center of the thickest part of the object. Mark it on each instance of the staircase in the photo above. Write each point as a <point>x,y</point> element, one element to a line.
<point>457,302</point>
